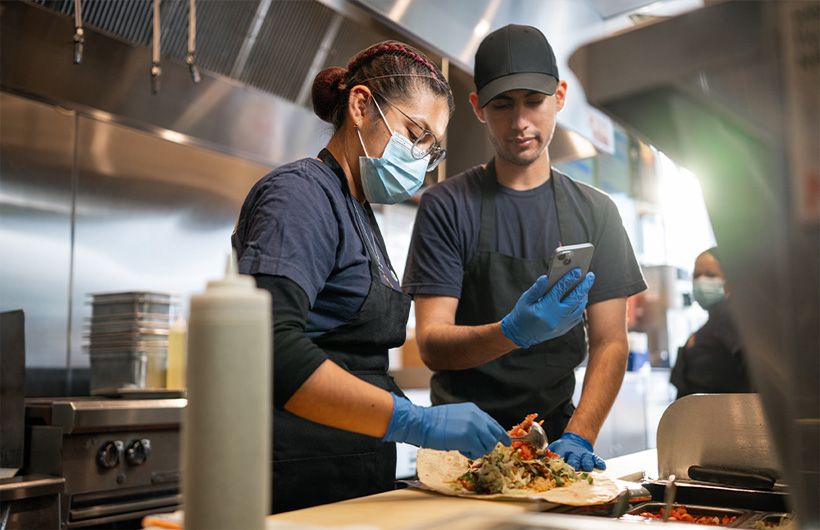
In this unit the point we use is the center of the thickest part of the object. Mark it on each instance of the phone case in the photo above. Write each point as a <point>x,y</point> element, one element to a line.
<point>567,258</point>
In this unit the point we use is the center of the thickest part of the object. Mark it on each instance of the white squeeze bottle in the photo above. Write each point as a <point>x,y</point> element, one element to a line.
<point>226,430</point>
<point>177,352</point>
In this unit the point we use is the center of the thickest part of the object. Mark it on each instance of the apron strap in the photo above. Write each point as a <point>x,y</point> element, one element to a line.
<point>486,232</point>
<point>562,209</point>
<point>375,259</point>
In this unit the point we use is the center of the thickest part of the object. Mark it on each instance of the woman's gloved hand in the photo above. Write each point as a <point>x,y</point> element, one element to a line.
<point>577,452</point>
<point>539,315</point>
<point>460,426</point>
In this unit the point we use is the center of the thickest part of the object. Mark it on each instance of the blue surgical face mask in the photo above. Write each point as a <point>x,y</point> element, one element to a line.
<point>708,291</point>
<point>397,175</point>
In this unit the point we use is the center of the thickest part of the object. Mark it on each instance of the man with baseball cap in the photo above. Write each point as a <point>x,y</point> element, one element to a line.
<point>482,244</point>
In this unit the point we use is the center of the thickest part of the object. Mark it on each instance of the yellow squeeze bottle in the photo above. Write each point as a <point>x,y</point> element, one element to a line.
<point>177,354</point>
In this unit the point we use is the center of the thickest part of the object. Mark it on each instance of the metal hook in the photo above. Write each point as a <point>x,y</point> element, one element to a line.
<point>156,71</point>
<point>191,60</point>
<point>79,34</point>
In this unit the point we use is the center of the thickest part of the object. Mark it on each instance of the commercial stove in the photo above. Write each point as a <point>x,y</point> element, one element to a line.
<point>120,458</point>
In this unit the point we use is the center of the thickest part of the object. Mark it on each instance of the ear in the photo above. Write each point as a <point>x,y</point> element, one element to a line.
<point>357,103</point>
<point>561,94</point>
<point>479,112</point>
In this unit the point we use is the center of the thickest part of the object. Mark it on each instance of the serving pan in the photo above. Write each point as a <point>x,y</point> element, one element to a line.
<point>772,520</point>
<point>654,507</point>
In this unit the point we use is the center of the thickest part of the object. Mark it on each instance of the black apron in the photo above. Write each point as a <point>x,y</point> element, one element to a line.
<point>537,379</point>
<point>315,464</point>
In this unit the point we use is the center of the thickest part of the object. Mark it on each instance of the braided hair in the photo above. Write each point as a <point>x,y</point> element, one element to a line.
<point>391,69</point>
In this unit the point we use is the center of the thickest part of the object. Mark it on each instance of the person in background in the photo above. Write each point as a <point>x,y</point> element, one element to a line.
<point>712,360</point>
<point>307,233</point>
<point>487,235</point>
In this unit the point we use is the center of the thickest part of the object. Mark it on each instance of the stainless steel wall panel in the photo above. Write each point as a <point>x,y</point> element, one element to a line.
<point>36,160</point>
<point>151,215</point>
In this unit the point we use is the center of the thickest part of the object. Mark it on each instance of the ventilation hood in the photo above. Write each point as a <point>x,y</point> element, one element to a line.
<point>256,59</point>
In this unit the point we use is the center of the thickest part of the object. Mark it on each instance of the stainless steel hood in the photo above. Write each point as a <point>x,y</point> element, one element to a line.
<point>257,60</point>
<point>731,92</point>
<point>251,101</point>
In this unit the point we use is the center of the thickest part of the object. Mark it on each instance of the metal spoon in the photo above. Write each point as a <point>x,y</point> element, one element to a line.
<point>537,437</point>
<point>669,497</point>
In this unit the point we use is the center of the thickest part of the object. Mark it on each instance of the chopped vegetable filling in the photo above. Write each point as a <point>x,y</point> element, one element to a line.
<point>519,467</point>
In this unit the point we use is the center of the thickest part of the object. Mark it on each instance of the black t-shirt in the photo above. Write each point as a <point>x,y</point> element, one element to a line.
<point>713,360</point>
<point>299,222</point>
<point>446,230</point>
<point>297,235</point>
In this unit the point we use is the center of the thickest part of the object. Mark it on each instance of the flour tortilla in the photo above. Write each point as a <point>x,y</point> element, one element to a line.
<point>439,469</point>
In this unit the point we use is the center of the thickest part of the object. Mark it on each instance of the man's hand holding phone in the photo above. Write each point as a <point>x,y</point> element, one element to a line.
<point>541,315</point>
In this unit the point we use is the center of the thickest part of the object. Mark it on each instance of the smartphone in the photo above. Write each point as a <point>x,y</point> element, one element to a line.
<point>567,258</point>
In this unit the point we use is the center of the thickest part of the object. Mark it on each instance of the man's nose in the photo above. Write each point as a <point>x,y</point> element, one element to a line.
<point>519,119</point>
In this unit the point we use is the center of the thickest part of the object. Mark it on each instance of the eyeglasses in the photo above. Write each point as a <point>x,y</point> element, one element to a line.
<point>425,144</point>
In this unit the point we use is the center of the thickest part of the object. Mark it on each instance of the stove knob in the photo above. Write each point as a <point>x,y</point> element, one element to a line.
<point>110,454</point>
<point>138,452</point>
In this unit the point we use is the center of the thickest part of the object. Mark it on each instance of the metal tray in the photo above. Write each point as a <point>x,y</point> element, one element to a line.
<point>137,302</point>
<point>774,519</point>
<point>129,318</point>
<point>117,370</point>
<point>141,335</point>
<point>693,509</point>
<point>127,326</point>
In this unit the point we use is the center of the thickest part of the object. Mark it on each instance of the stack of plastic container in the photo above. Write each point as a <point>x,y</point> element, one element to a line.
<point>128,340</point>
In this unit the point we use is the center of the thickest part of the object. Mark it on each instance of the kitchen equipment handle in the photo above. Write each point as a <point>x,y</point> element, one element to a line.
<point>669,493</point>
<point>743,479</point>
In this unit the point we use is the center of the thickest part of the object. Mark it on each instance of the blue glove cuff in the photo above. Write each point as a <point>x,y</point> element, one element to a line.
<point>579,439</point>
<point>404,412</point>
<point>509,333</point>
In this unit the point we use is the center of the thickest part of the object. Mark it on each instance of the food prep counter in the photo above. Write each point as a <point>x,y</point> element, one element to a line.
<point>686,444</point>
<point>414,508</point>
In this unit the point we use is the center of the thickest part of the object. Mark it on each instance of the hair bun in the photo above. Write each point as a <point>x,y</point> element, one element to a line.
<point>326,92</point>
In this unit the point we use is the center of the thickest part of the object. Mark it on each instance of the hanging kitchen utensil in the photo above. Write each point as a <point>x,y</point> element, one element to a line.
<point>192,41</point>
<point>79,35</point>
<point>156,71</point>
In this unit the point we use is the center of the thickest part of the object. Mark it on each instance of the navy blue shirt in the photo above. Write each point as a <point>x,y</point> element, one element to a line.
<point>445,234</point>
<point>298,222</point>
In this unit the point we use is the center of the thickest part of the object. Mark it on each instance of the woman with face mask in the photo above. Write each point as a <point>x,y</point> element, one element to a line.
<point>712,360</point>
<point>307,233</point>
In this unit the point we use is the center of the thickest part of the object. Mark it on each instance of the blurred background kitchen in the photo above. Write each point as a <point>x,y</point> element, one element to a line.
<point>116,178</point>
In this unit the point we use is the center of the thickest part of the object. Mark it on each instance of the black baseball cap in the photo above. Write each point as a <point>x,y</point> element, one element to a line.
<point>514,58</point>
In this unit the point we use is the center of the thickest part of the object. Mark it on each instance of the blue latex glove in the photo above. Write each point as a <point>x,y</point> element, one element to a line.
<point>539,315</point>
<point>577,452</point>
<point>460,426</point>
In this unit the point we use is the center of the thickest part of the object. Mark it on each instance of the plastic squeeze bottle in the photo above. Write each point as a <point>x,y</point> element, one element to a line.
<point>226,429</point>
<point>177,352</point>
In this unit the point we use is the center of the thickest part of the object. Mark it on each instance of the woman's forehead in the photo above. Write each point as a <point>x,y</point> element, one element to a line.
<point>427,108</point>
<point>707,263</point>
